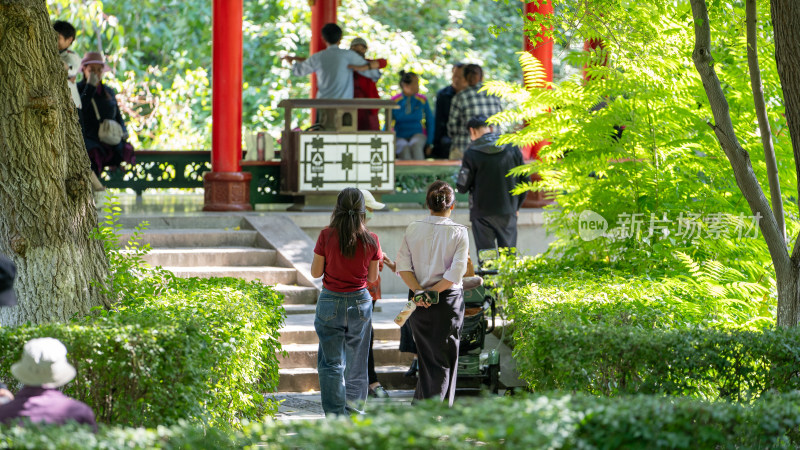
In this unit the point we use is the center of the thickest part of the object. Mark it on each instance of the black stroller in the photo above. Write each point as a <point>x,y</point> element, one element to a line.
<point>478,368</point>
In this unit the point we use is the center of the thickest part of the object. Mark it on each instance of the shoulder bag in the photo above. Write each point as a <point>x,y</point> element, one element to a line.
<point>110,131</point>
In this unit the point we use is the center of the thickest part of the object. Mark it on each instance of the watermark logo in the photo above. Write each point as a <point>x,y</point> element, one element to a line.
<point>686,226</point>
<point>591,225</point>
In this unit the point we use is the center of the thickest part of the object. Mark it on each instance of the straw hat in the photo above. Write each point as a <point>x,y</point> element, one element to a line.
<point>369,200</point>
<point>43,363</point>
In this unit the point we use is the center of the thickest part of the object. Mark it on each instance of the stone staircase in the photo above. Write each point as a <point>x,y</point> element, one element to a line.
<point>217,246</point>
<point>298,370</point>
<point>211,252</point>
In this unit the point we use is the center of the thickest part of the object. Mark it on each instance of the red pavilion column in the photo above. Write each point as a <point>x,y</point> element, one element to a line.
<point>591,45</point>
<point>542,50</point>
<point>322,12</point>
<point>227,188</point>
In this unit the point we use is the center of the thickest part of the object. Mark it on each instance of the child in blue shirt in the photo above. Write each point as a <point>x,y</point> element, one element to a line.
<point>413,140</point>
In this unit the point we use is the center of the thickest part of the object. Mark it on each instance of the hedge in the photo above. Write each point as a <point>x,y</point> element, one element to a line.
<point>202,350</point>
<point>555,421</point>
<point>737,365</point>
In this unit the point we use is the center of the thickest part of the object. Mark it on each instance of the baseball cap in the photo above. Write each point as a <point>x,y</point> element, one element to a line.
<point>369,200</point>
<point>358,41</point>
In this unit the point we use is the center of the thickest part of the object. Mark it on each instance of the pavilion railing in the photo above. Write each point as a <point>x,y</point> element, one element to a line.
<point>165,169</point>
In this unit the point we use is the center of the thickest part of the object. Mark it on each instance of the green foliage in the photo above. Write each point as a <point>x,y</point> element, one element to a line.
<point>734,365</point>
<point>526,422</point>
<point>632,143</point>
<point>697,331</point>
<point>204,351</point>
<point>545,292</point>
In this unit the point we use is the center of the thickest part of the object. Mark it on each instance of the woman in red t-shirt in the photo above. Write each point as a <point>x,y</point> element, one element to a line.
<point>346,257</point>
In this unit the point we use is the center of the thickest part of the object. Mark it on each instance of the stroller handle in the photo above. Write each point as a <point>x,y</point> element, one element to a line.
<point>482,272</point>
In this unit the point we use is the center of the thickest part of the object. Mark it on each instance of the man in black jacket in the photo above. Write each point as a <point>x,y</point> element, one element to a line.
<point>444,99</point>
<point>493,210</point>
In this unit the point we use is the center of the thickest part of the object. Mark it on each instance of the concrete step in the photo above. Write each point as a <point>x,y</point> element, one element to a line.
<point>305,379</point>
<point>193,237</point>
<point>157,221</point>
<point>299,295</point>
<point>305,333</point>
<point>386,353</point>
<point>219,256</point>
<point>310,309</point>
<point>267,275</point>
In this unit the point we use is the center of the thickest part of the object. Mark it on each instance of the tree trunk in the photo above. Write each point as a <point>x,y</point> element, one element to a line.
<point>761,113</point>
<point>786,28</point>
<point>786,268</point>
<point>47,210</point>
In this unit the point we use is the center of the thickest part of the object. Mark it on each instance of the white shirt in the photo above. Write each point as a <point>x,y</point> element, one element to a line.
<point>334,79</point>
<point>434,248</point>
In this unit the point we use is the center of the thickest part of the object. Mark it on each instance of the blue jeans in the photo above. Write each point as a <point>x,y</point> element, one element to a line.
<point>343,323</point>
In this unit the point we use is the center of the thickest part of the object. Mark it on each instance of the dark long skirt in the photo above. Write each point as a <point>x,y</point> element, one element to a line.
<point>437,333</point>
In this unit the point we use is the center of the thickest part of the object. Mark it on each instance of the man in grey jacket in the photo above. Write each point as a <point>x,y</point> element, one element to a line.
<point>493,210</point>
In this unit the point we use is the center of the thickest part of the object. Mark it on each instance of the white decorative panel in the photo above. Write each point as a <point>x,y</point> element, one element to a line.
<point>332,162</point>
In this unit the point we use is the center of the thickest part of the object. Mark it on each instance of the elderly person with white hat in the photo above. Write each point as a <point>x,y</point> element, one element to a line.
<point>375,388</point>
<point>42,369</point>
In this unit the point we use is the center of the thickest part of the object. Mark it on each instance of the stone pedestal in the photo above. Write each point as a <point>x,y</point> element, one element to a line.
<point>227,191</point>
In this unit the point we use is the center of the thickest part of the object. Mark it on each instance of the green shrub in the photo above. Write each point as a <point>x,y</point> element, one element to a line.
<point>544,292</point>
<point>527,422</point>
<point>737,365</point>
<point>704,332</point>
<point>204,350</point>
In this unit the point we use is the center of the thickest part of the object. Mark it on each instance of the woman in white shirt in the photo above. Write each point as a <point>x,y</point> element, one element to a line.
<point>433,256</point>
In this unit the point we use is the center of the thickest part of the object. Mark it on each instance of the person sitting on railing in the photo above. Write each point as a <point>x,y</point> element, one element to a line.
<point>467,104</point>
<point>444,99</point>
<point>412,138</point>
<point>104,131</point>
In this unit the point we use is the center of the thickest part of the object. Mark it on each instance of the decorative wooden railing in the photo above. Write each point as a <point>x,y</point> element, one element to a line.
<point>164,169</point>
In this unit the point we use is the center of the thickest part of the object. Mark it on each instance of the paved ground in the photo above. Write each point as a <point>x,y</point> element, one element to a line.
<point>308,406</point>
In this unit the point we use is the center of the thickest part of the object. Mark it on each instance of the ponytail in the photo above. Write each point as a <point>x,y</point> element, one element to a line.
<point>348,219</point>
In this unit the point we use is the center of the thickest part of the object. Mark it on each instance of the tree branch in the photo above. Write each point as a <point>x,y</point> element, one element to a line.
<point>761,113</point>
<point>738,156</point>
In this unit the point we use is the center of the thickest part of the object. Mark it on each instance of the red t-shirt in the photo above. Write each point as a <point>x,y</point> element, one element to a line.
<point>342,274</point>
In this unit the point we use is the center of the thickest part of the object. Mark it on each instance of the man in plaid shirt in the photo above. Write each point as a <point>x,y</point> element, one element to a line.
<point>466,105</point>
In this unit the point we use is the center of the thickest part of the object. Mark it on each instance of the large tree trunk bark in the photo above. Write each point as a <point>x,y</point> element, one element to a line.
<point>786,28</point>
<point>47,210</point>
<point>786,269</point>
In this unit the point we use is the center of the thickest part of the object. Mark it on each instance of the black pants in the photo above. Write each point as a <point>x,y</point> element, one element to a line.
<point>437,333</point>
<point>487,229</point>
<point>371,375</point>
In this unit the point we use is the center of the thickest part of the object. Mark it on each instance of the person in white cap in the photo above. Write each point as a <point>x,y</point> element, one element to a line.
<point>42,369</point>
<point>375,388</point>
